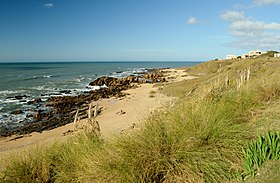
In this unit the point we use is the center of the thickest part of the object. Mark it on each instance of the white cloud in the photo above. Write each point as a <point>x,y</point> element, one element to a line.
<point>250,33</point>
<point>252,28</point>
<point>192,21</point>
<point>266,2</point>
<point>233,16</point>
<point>48,5</point>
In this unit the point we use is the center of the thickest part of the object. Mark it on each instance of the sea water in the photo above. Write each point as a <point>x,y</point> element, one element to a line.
<point>29,81</point>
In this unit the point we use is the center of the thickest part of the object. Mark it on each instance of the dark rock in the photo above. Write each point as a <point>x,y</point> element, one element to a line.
<point>103,81</point>
<point>140,73</point>
<point>29,115</point>
<point>19,97</point>
<point>17,112</point>
<point>37,115</point>
<point>35,101</point>
<point>65,91</point>
<point>115,84</point>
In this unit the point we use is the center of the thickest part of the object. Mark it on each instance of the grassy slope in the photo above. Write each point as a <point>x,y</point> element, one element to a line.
<point>198,139</point>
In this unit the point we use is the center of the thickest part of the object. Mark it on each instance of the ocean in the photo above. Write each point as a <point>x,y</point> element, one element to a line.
<point>21,83</point>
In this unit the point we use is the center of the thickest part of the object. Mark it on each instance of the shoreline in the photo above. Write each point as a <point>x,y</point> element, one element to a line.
<point>58,110</point>
<point>118,114</point>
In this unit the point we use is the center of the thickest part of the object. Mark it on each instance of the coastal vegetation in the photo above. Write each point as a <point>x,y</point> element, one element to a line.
<point>223,127</point>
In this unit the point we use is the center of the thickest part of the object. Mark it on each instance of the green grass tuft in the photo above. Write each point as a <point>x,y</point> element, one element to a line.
<point>256,153</point>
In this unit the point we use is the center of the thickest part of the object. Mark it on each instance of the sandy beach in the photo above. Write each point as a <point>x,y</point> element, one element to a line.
<point>118,115</point>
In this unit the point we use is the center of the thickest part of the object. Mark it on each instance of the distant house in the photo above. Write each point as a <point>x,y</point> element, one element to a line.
<point>228,57</point>
<point>277,55</point>
<point>255,53</point>
<point>251,54</point>
<point>245,56</point>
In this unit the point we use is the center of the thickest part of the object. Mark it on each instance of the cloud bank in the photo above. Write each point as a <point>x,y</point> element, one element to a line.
<point>249,33</point>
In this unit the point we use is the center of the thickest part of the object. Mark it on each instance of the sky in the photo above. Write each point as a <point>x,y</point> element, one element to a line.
<point>136,30</point>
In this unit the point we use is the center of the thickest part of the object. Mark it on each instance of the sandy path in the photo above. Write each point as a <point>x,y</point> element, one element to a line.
<point>117,114</point>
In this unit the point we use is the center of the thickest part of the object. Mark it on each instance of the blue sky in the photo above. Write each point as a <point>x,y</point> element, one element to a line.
<point>135,30</point>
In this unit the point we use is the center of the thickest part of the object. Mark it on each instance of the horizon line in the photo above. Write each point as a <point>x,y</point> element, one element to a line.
<point>82,61</point>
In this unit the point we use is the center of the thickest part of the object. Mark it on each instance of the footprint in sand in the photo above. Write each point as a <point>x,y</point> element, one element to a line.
<point>121,112</point>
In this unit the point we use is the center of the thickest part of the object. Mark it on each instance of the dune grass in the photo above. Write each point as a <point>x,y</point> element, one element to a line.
<point>198,139</point>
<point>59,162</point>
<point>194,142</point>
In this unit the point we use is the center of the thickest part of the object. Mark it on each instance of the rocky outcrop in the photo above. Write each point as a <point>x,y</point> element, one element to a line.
<point>115,84</point>
<point>125,83</point>
<point>61,111</point>
<point>154,78</point>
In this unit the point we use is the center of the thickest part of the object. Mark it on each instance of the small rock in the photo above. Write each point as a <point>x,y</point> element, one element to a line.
<point>19,97</point>
<point>37,100</point>
<point>38,115</point>
<point>17,112</point>
<point>29,115</point>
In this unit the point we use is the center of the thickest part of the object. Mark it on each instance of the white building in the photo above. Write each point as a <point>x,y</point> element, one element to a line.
<point>251,54</point>
<point>228,57</point>
<point>245,56</point>
<point>255,53</point>
<point>277,55</point>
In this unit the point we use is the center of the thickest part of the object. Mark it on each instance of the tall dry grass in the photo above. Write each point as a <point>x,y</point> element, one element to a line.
<point>59,162</point>
<point>197,141</point>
